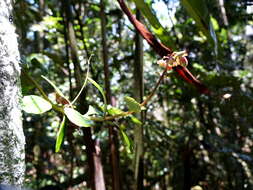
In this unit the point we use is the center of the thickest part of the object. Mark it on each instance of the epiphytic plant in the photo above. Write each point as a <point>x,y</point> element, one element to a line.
<point>163,50</point>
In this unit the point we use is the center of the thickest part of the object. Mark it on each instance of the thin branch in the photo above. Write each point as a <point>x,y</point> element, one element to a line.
<point>154,90</point>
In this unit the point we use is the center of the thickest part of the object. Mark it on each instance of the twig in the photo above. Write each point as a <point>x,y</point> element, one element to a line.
<point>156,86</point>
<point>85,81</point>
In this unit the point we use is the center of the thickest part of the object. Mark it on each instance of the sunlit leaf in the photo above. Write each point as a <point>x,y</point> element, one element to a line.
<point>48,22</point>
<point>60,135</point>
<point>35,104</point>
<point>135,120</point>
<point>215,23</point>
<point>114,111</point>
<point>143,108</point>
<point>132,104</point>
<point>92,111</point>
<point>126,140</point>
<point>77,118</point>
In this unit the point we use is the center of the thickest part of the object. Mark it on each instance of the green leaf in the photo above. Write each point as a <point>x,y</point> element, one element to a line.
<point>143,108</point>
<point>60,135</point>
<point>114,111</point>
<point>92,111</point>
<point>56,89</point>
<point>135,120</point>
<point>159,30</point>
<point>77,118</point>
<point>132,104</point>
<point>100,90</point>
<point>197,9</point>
<point>215,23</point>
<point>127,141</point>
<point>35,104</point>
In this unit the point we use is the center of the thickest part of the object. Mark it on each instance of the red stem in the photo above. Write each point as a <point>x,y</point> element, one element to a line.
<point>162,50</point>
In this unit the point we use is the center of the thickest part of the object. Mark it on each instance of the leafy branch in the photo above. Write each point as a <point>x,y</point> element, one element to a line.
<point>37,105</point>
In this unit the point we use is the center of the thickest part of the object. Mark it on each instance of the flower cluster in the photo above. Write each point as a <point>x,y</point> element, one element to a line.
<point>173,60</point>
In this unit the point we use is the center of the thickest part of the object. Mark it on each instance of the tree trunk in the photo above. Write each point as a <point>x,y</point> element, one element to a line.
<point>113,133</point>
<point>138,94</point>
<point>12,140</point>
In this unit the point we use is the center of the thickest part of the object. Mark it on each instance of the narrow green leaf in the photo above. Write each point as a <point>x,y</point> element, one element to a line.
<point>132,104</point>
<point>35,104</point>
<point>92,111</point>
<point>60,135</point>
<point>126,140</point>
<point>114,111</point>
<point>198,10</point>
<point>135,120</point>
<point>157,27</point>
<point>56,89</point>
<point>100,90</point>
<point>77,118</point>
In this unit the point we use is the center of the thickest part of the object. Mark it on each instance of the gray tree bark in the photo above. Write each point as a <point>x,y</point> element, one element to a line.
<point>12,140</point>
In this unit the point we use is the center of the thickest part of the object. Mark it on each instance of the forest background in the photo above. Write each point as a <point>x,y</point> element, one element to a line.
<point>181,139</point>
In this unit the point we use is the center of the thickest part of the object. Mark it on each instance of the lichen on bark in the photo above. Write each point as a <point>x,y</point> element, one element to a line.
<point>12,140</point>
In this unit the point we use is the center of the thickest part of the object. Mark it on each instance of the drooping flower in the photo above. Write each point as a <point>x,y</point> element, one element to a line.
<point>175,59</point>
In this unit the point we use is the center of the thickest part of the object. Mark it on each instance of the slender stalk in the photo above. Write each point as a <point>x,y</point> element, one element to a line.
<point>154,90</point>
<point>85,82</point>
<point>123,114</point>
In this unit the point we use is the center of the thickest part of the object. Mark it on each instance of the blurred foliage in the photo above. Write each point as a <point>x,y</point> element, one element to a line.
<point>189,139</point>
